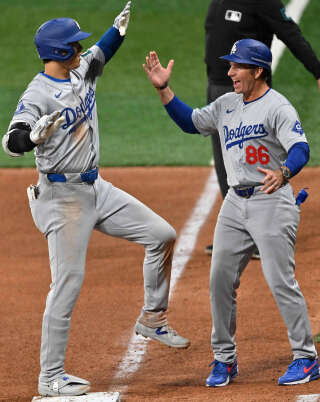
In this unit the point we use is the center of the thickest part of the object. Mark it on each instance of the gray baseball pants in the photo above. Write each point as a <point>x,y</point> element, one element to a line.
<point>66,213</point>
<point>270,221</point>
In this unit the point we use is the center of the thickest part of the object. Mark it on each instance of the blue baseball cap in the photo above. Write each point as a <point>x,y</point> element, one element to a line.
<point>250,51</point>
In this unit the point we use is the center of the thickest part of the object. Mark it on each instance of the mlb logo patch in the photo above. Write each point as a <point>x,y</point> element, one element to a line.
<point>234,16</point>
<point>297,128</point>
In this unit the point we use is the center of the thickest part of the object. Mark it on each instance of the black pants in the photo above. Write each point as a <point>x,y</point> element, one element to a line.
<point>213,92</point>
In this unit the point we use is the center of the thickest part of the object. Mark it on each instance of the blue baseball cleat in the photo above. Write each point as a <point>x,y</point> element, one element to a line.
<point>222,373</point>
<point>300,371</point>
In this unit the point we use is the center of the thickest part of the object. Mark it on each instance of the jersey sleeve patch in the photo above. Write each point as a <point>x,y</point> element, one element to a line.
<point>86,53</point>
<point>284,15</point>
<point>20,108</point>
<point>297,128</point>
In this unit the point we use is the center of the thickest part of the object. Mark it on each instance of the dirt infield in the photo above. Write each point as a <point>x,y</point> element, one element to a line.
<point>112,297</point>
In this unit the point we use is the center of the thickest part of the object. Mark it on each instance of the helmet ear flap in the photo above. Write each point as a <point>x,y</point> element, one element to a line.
<point>58,53</point>
<point>65,54</point>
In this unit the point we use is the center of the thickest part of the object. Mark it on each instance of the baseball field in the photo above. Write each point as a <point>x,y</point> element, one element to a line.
<point>145,154</point>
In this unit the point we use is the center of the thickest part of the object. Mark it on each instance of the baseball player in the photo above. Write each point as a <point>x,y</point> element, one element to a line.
<point>238,19</point>
<point>263,146</point>
<point>57,117</point>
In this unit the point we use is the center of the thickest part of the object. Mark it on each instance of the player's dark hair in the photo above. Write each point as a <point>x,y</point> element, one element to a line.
<point>266,75</point>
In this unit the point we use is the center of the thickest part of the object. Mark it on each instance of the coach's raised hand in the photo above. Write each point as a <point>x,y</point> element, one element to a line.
<point>159,76</point>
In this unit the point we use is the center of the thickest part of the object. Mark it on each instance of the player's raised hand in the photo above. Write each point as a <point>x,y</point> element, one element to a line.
<point>272,180</point>
<point>122,20</point>
<point>158,75</point>
<point>46,126</point>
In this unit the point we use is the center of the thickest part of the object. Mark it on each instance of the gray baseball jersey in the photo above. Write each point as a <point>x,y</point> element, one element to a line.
<point>75,146</point>
<point>257,133</point>
<point>252,134</point>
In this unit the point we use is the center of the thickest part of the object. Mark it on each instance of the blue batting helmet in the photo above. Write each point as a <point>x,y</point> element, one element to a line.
<point>250,51</point>
<point>53,38</point>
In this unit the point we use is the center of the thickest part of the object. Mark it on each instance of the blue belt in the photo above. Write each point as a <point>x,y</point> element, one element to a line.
<point>87,177</point>
<point>246,192</point>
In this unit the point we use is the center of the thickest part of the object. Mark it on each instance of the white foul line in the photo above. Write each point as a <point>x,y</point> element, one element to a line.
<point>136,351</point>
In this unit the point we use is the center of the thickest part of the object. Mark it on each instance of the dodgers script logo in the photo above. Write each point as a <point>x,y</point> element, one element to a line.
<point>82,112</point>
<point>242,133</point>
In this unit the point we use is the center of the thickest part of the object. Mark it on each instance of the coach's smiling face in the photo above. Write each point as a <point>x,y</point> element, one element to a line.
<point>246,81</point>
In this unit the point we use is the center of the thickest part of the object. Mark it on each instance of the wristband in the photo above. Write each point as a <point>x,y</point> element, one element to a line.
<point>163,86</point>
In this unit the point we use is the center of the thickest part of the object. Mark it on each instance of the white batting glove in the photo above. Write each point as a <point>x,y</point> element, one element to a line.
<point>45,127</point>
<point>122,20</point>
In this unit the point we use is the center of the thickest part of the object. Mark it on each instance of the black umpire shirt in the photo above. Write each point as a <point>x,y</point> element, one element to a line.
<point>230,20</point>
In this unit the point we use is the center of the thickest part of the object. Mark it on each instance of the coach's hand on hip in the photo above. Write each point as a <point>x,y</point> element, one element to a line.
<point>272,181</point>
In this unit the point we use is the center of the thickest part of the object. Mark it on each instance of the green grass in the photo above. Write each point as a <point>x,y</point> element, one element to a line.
<point>134,127</point>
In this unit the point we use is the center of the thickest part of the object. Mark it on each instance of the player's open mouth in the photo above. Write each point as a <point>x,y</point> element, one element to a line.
<point>236,83</point>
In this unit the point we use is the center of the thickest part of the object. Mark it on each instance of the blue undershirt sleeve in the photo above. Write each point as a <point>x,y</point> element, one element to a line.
<point>298,157</point>
<point>110,42</point>
<point>181,113</point>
